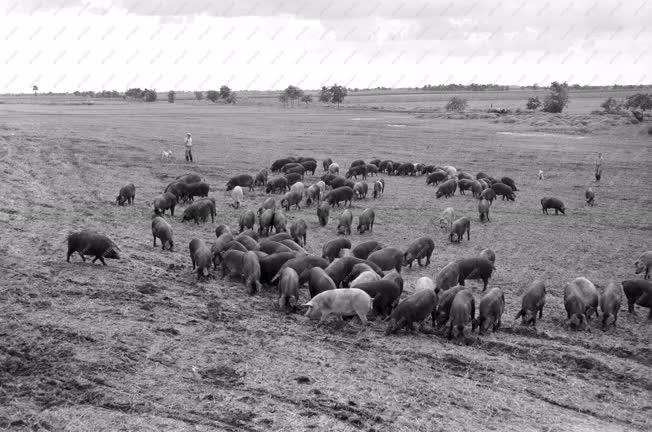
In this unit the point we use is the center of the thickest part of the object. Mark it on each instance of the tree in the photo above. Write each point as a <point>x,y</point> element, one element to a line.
<point>557,100</point>
<point>135,93</point>
<point>306,99</point>
<point>283,98</point>
<point>35,89</point>
<point>199,95</point>
<point>611,105</point>
<point>456,104</point>
<point>338,93</point>
<point>291,95</point>
<point>212,95</point>
<point>225,91</point>
<point>171,96</point>
<point>231,98</point>
<point>149,95</point>
<point>325,96</point>
<point>640,101</point>
<point>533,103</point>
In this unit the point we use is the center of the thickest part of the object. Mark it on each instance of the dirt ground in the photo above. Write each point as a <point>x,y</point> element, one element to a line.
<point>141,345</point>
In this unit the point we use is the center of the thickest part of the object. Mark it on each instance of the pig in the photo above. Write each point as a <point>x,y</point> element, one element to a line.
<point>509,182</point>
<point>365,248</point>
<point>643,264</point>
<point>477,188</point>
<point>92,243</point>
<point>436,177</point>
<point>424,283</point>
<point>340,268</point>
<point>459,227</point>
<point>366,220</point>
<point>533,301</point>
<point>385,294</point>
<point>447,277</point>
<point>441,313</point>
<point>462,311</point>
<point>554,203</point>
<point>395,277</point>
<point>288,286</point>
<point>488,194</point>
<point>127,194</point>
<point>414,309</point>
<point>272,247</point>
<point>475,268</point>
<point>280,221</point>
<point>261,178</point>
<point>463,175</point>
<point>419,249</point>
<point>247,220</point>
<point>272,263</point>
<point>293,177</point>
<point>280,163</point>
<point>189,178</point>
<point>166,201</point>
<point>334,169</point>
<point>492,306</point>
<point>251,272</point>
<point>327,163</point>
<point>371,169</point>
<point>323,213</point>
<point>200,256</point>
<point>590,196</point>
<point>366,276</point>
<point>337,195</point>
<point>331,248</point>
<point>358,170</point>
<point>309,166</point>
<point>446,218</point>
<point>489,255</point>
<point>447,189</point>
<point>298,230</point>
<point>344,224</point>
<point>645,300</point>
<point>318,281</point>
<point>504,190</point>
<point>222,241</point>
<point>292,198</point>
<point>302,263</point>
<point>360,190</point>
<point>379,188</point>
<point>322,187</point>
<point>235,245</point>
<point>265,222</point>
<point>248,242</point>
<point>464,185</point>
<point>243,180</point>
<point>634,289</point>
<point>294,246</point>
<point>610,304</point>
<point>237,196</point>
<point>483,209</point>
<point>251,233</point>
<point>357,270</point>
<point>279,184</point>
<point>199,211</point>
<point>580,301</point>
<point>288,166</point>
<point>162,230</point>
<point>387,258</point>
<point>314,194</point>
<point>232,262</point>
<point>278,237</point>
<point>179,190</point>
<point>222,229</point>
<point>199,189</point>
<point>340,302</point>
<point>269,203</point>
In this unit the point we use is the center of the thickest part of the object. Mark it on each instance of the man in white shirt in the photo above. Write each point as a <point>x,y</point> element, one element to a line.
<point>188,143</point>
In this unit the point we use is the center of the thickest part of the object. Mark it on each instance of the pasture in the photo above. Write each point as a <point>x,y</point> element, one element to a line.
<point>141,345</point>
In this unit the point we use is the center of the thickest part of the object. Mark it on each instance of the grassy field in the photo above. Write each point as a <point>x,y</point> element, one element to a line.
<point>141,345</point>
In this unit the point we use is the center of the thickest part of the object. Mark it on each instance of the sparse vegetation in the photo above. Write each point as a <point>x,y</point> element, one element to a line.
<point>456,103</point>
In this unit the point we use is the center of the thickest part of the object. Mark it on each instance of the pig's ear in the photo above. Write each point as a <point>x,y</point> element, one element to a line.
<point>307,305</point>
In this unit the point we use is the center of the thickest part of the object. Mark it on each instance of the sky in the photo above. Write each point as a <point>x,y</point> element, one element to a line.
<point>68,45</point>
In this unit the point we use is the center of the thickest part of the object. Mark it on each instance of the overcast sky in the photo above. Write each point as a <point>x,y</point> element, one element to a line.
<point>67,45</point>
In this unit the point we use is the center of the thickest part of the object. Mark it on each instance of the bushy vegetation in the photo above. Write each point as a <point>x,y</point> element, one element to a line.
<point>291,96</point>
<point>640,101</point>
<point>456,103</point>
<point>533,103</point>
<point>557,100</point>
<point>147,95</point>
<point>102,94</point>
<point>611,105</point>
<point>333,94</point>
<point>199,95</point>
<point>171,96</point>
<point>225,94</point>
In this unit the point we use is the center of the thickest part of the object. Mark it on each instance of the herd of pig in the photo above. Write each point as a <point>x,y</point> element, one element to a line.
<point>366,278</point>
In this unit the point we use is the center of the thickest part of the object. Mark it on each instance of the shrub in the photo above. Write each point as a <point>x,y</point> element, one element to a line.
<point>306,99</point>
<point>231,98</point>
<point>199,95</point>
<point>149,95</point>
<point>557,100</point>
<point>533,103</point>
<point>456,104</point>
<point>212,95</point>
<point>611,105</point>
<point>640,101</point>
<point>171,96</point>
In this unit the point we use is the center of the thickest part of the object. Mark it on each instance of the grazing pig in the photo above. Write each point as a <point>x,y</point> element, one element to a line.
<point>424,283</point>
<point>280,221</point>
<point>340,302</point>
<point>331,248</point>
<point>436,177</point>
<point>288,166</point>
<point>313,194</point>
<point>463,175</point>
<point>341,268</point>
<point>504,190</point>
<point>235,245</point>
<point>509,182</point>
<point>293,177</point>
<point>447,277</point>
<point>265,222</point>
<point>166,201</point>
<point>247,220</point>
<point>261,178</point>
<point>360,190</point>
<point>318,281</point>
<point>462,311</point>
<point>441,313</point>
<point>590,196</point>
<point>303,263</point>
<point>288,286</point>
<point>459,227</point>
<point>610,304</point>
<point>222,229</point>
<point>309,165</point>
<point>222,241</point>
<point>334,169</point>
<point>344,224</point>
<point>189,178</point>
<point>279,184</point>
<point>335,196</point>
<point>385,294</point>
<point>91,243</point>
<point>634,289</point>
<point>371,169</point>
<point>417,250</point>
<point>199,189</point>
<point>379,188</point>
<point>356,271</point>
<point>489,255</point>
<point>483,185</point>
<point>298,230</point>
<point>483,209</point>
<point>199,211</point>
<point>250,233</point>
<point>243,180</point>
<point>323,213</point>
<point>292,198</point>
<point>446,218</point>
<point>363,250</point>
<point>414,309</point>
<point>366,220</point>
<point>179,190</point>
<point>491,310</point>
<point>280,163</point>
<point>248,242</point>
<point>294,246</point>
<point>237,196</point>
<point>200,256</point>
<point>272,247</point>
<point>251,272</point>
<point>488,194</point>
<point>162,230</point>
<point>395,277</point>
<point>269,203</point>
<point>475,268</point>
<point>533,301</point>
<point>298,187</point>
<point>278,237</point>
<point>643,264</point>
<point>365,276</point>
<point>645,300</point>
<point>387,258</point>
<point>127,194</point>
<point>355,171</point>
<point>326,163</point>
<point>580,301</point>
<point>232,262</point>
<point>554,203</point>
<point>447,189</point>
<point>272,263</point>
<point>464,185</point>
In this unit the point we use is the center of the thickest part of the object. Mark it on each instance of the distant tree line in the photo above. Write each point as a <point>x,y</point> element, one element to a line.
<point>463,87</point>
<point>100,94</point>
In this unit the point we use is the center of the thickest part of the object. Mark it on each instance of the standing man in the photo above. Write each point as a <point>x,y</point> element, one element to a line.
<point>598,167</point>
<point>188,143</point>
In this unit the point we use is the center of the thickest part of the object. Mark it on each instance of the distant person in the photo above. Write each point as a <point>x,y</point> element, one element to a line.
<point>598,167</point>
<point>540,174</point>
<point>188,143</point>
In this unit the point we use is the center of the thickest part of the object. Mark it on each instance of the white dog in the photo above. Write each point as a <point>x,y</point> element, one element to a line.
<point>166,155</point>
<point>540,174</point>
